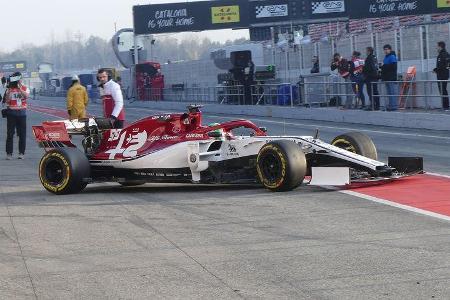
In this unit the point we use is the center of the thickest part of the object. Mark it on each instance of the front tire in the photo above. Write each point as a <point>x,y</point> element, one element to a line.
<point>356,142</point>
<point>281,166</point>
<point>64,171</point>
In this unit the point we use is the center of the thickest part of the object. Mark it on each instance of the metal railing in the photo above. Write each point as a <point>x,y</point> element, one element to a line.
<point>418,94</point>
<point>332,91</point>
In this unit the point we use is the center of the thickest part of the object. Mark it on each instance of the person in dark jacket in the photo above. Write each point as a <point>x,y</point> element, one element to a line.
<point>342,65</point>
<point>389,76</point>
<point>370,72</point>
<point>344,68</point>
<point>442,73</point>
<point>316,65</point>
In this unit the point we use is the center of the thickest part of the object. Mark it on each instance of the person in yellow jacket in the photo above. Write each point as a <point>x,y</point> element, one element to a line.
<point>77,99</point>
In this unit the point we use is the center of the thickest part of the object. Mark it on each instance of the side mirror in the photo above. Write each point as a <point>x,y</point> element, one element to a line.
<point>214,134</point>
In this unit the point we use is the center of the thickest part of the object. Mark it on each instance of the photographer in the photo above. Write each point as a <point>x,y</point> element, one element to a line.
<point>344,68</point>
<point>15,98</point>
<point>442,73</point>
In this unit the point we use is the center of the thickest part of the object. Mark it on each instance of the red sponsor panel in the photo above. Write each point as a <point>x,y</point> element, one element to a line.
<point>427,192</point>
<point>55,131</point>
<point>39,133</point>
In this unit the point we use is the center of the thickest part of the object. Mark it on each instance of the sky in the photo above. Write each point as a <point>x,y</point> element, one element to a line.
<point>36,21</point>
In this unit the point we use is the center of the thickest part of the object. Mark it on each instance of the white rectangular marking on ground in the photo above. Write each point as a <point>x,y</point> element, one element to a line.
<point>330,176</point>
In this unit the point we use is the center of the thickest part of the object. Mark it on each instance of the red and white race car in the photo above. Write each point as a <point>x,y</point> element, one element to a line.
<point>177,148</point>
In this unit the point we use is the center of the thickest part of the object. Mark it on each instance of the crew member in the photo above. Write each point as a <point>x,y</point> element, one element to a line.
<point>77,99</point>
<point>112,98</point>
<point>442,73</point>
<point>16,97</point>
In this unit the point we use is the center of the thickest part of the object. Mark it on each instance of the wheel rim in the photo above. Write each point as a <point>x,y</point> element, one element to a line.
<point>346,145</point>
<point>271,166</point>
<point>54,172</point>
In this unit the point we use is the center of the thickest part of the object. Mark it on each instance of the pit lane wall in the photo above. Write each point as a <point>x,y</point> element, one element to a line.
<point>400,119</point>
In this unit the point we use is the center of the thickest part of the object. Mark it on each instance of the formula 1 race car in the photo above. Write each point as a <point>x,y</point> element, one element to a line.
<point>177,148</point>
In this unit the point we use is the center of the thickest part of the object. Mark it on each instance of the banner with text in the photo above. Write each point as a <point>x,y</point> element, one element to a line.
<point>388,8</point>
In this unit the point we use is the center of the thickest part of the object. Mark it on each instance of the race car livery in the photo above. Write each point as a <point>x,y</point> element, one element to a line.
<point>178,148</point>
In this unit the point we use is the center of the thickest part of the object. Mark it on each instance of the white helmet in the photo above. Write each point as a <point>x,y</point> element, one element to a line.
<point>75,78</point>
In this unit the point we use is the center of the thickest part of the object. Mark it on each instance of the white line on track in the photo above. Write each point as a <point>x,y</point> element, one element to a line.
<point>397,205</point>
<point>438,175</point>
<point>44,113</point>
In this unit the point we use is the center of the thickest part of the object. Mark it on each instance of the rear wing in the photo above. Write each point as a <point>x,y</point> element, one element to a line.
<point>52,135</point>
<point>56,134</point>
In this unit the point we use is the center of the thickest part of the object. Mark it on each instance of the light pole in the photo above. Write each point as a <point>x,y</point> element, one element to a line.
<point>152,43</point>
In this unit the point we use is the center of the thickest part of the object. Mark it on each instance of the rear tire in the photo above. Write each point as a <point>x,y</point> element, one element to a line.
<point>281,165</point>
<point>64,171</point>
<point>358,143</point>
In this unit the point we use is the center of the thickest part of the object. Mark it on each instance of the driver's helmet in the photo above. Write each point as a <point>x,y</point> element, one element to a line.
<point>220,130</point>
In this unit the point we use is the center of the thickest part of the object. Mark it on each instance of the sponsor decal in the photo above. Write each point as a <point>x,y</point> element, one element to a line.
<point>194,136</point>
<point>225,14</point>
<point>176,129</point>
<point>193,158</point>
<point>53,135</point>
<point>50,185</point>
<point>232,150</point>
<point>156,174</point>
<point>128,144</point>
<point>154,138</point>
<point>328,7</point>
<point>161,117</point>
<point>272,184</point>
<point>270,11</point>
<point>114,135</point>
<point>443,3</point>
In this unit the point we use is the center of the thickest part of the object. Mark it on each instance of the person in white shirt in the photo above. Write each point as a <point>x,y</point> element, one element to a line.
<point>112,98</point>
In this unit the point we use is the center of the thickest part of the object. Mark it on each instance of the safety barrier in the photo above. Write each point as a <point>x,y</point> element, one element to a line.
<point>324,91</point>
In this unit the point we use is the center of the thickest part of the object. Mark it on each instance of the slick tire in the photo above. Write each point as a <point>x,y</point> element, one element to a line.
<point>358,143</point>
<point>132,183</point>
<point>281,166</point>
<point>64,170</point>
